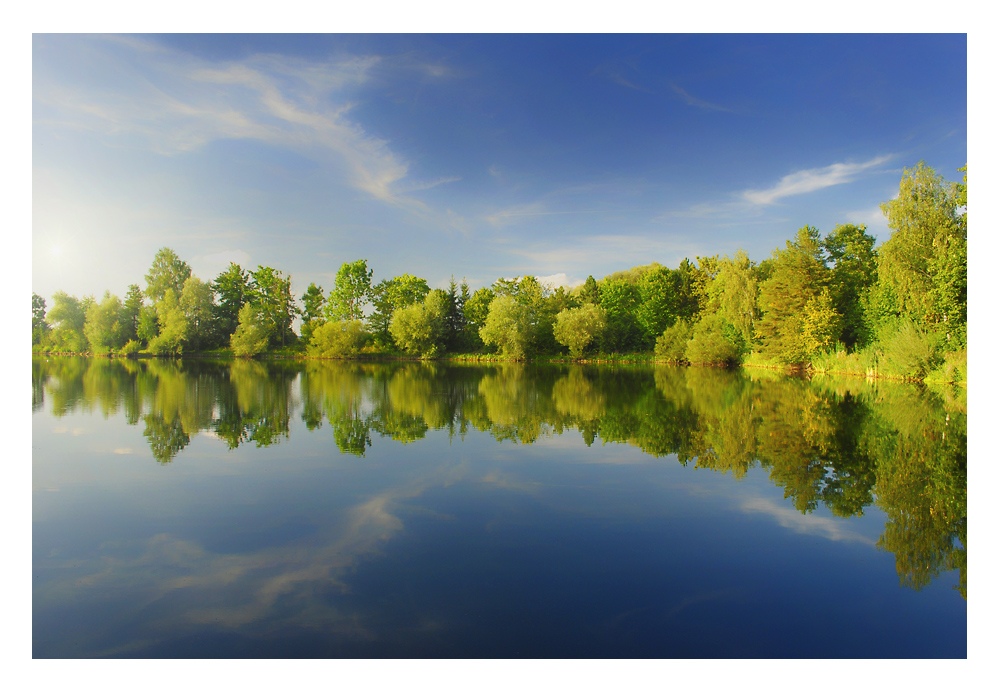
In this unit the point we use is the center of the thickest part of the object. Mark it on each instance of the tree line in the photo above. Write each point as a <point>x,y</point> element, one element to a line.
<point>835,301</point>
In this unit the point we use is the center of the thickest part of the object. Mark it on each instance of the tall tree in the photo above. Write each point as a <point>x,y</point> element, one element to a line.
<point>854,270</point>
<point>312,310</point>
<point>167,272</point>
<point>131,312</point>
<point>733,294</point>
<point>351,291</point>
<point>198,302</point>
<point>798,316</point>
<point>67,317</point>
<point>233,288</point>
<point>270,293</point>
<point>103,327</point>
<point>924,261</point>
<point>390,295</point>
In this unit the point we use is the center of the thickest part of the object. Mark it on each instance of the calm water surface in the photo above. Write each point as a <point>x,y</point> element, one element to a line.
<point>243,509</point>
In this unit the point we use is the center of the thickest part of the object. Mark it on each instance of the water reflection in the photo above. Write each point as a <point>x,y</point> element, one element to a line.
<point>842,444</point>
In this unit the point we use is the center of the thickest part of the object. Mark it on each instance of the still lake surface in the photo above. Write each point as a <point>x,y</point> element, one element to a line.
<point>325,509</point>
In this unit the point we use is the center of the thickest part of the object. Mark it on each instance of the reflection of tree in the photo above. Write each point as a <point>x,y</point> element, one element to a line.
<point>255,404</point>
<point>39,377</point>
<point>166,437</point>
<point>338,390</point>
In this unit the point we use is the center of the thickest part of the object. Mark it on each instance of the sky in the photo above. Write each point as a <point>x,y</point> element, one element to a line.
<point>473,156</point>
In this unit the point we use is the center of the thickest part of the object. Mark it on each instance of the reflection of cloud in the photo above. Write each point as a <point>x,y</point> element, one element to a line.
<point>808,524</point>
<point>124,451</point>
<point>804,181</point>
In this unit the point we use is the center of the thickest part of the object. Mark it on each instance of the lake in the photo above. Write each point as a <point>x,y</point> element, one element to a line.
<point>198,508</point>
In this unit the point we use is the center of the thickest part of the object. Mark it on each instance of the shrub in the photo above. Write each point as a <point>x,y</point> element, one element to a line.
<point>419,328</point>
<point>576,328</point>
<point>131,348</point>
<point>672,345</point>
<point>338,339</point>
<point>250,337</point>
<point>910,351</point>
<point>709,345</point>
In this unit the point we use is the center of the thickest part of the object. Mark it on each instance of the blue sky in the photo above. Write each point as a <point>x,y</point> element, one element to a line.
<point>474,156</point>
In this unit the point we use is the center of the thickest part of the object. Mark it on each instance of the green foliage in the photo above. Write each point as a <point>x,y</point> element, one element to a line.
<point>351,292</point>
<point>67,317</point>
<point>130,349</point>
<point>198,302</point>
<point>131,312</point>
<point>621,332</point>
<point>103,328</point>
<point>924,261</point>
<point>577,327</point>
<point>271,293</point>
<point>251,336</point>
<point>39,327</point>
<point>709,344</point>
<point>798,318</point>
<point>477,309</point>
<point>232,287</point>
<point>851,250</point>
<point>591,292</point>
<point>420,328</point>
<point>509,327</point>
<point>733,294</point>
<point>390,295</point>
<point>671,346</point>
<point>173,326</point>
<point>909,350</point>
<point>312,311</point>
<point>149,325</point>
<point>338,339</point>
<point>167,273</point>
<point>657,309</point>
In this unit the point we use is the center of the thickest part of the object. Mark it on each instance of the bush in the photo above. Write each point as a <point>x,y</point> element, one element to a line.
<point>338,339</point>
<point>672,345</point>
<point>130,349</point>
<point>419,328</point>
<point>576,328</point>
<point>910,351</point>
<point>709,345</point>
<point>250,337</point>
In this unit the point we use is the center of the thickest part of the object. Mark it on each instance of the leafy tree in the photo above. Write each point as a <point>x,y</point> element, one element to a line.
<point>173,325</point>
<point>576,328</point>
<point>312,310</point>
<point>477,309</point>
<point>508,326</point>
<point>251,335</point>
<point>672,345</point>
<point>103,327</point>
<point>789,331</point>
<point>338,339</point>
<point>131,311</point>
<point>149,325</point>
<point>855,269</point>
<point>733,294</point>
<point>620,300</point>
<point>351,292</point>
<point>454,316</point>
<point>689,296</point>
<point>39,327</point>
<point>390,295</point>
<point>67,317</point>
<point>925,259</point>
<point>712,342</point>
<point>657,297</point>
<point>420,329</point>
<point>271,293</point>
<point>232,287</point>
<point>590,292</point>
<point>198,302</point>
<point>167,272</point>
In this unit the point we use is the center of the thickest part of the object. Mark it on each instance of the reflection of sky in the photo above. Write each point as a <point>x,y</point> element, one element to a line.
<point>445,547</point>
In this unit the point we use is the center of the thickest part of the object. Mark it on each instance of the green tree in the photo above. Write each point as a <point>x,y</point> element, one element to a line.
<point>620,301</point>
<point>271,293</point>
<point>420,329</point>
<point>131,312</point>
<point>477,309</point>
<point>198,302</point>
<point>672,345</point>
<point>576,328</point>
<point>851,250</point>
<point>67,317</point>
<point>713,342</point>
<point>312,311</point>
<point>924,261</point>
<point>733,294</point>
<point>251,335</point>
<point>173,326</point>
<point>39,327</point>
<point>590,292</point>
<point>338,339</point>
<point>232,287</point>
<point>103,327</point>
<point>508,326</point>
<point>149,324</point>
<point>792,301</point>
<point>657,297</point>
<point>351,292</point>
<point>167,272</point>
<point>390,295</point>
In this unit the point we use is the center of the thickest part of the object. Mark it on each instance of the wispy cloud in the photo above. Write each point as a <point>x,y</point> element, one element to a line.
<point>586,252</point>
<point>172,103</point>
<point>613,75</point>
<point>806,523</point>
<point>805,181</point>
<point>697,102</point>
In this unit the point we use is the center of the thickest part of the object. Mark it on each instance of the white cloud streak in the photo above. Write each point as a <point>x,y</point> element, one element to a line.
<point>808,524</point>
<point>811,180</point>
<point>697,102</point>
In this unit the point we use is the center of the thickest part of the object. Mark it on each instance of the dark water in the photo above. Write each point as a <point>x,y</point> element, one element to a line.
<point>204,509</point>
